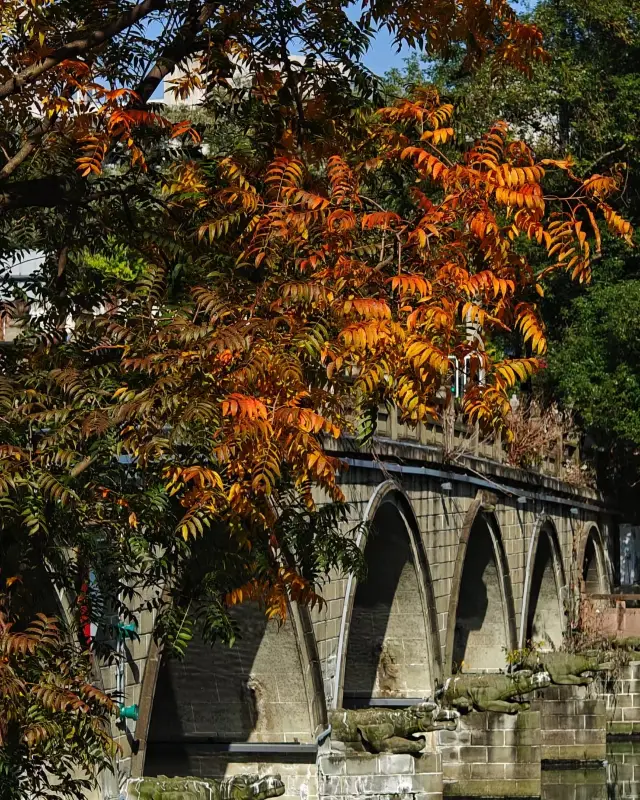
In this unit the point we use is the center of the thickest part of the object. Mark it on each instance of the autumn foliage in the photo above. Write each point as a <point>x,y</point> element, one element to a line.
<point>54,724</point>
<point>281,295</point>
<point>326,296</point>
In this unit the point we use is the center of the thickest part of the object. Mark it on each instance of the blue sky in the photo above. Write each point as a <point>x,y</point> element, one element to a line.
<point>383,53</point>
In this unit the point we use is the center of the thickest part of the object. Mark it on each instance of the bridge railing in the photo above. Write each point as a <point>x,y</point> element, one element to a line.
<point>456,438</point>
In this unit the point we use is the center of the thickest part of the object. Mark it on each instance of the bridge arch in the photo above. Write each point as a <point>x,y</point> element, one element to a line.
<point>543,614</point>
<point>593,563</point>
<point>266,688</point>
<point>481,621</point>
<point>388,642</point>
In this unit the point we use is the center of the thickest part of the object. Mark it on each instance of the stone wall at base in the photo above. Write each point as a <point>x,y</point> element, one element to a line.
<point>575,784</point>
<point>622,696</point>
<point>623,770</point>
<point>382,776</point>
<point>573,725</point>
<point>492,755</point>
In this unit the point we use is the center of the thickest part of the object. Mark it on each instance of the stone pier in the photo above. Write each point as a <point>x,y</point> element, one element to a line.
<point>622,696</point>
<point>583,783</point>
<point>573,725</point>
<point>492,755</point>
<point>379,776</point>
<point>623,770</point>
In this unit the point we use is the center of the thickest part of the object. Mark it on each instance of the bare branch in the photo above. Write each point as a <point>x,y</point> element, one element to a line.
<point>33,140</point>
<point>81,45</point>
<point>184,44</point>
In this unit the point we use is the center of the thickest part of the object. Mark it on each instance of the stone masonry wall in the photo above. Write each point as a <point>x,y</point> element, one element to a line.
<point>573,725</point>
<point>623,770</point>
<point>622,698</point>
<point>383,776</point>
<point>492,755</point>
<point>575,784</point>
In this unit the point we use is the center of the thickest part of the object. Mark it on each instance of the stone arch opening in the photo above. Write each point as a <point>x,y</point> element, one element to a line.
<point>388,651</point>
<point>256,691</point>
<point>593,565</point>
<point>483,612</point>
<point>545,613</point>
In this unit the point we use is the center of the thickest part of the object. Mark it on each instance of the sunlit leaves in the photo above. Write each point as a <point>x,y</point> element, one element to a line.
<point>54,723</point>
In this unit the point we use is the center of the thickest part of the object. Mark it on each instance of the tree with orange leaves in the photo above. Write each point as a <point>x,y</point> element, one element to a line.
<point>181,431</point>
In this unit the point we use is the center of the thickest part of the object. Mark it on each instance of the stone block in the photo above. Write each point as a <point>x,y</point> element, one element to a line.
<point>428,763</point>
<point>474,755</point>
<point>365,765</point>
<point>489,738</point>
<point>580,752</point>
<point>521,788</point>
<point>590,792</point>
<point>623,728</point>
<point>430,783</point>
<point>500,755</point>
<point>519,771</point>
<point>475,721</point>
<point>565,737</point>
<point>394,764</point>
<point>592,736</point>
<point>487,771</point>
<point>456,772</point>
<point>527,754</point>
<point>513,738</point>
<point>332,765</point>
<point>589,721</point>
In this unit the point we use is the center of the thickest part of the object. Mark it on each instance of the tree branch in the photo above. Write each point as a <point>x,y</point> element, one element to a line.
<point>608,154</point>
<point>184,44</point>
<point>33,140</point>
<point>81,45</point>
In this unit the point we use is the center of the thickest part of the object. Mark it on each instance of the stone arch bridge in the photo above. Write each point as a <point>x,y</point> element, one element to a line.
<point>465,562</point>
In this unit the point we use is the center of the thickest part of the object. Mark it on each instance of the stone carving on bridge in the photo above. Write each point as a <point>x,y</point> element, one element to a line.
<point>238,787</point>
<point>492,692</point>
<point>390,730</point>
<point>626,643</point>
<point>567,669</point>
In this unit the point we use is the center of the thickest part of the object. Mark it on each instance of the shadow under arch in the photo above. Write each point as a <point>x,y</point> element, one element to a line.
<point>592,562</point>
<point>388,642</point>
<point>481,622</point>
<point>543,617</point>
<point>267,688</point>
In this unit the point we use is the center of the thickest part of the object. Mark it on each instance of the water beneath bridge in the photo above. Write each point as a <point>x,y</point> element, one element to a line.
<point>618,779</point>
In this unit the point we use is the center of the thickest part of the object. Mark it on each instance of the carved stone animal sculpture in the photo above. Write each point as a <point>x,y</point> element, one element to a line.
<point>491,692</point>
<point>387,730</point>
<point>568,668</point>
<point>626,643</point>
<point>239,787</point>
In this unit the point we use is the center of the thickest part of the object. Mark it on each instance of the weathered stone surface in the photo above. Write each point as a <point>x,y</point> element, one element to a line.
<point>238,787</point>
<point>492,692</point>
<point>489,767</point>
<point>390,730</point>
<point>380,776</point>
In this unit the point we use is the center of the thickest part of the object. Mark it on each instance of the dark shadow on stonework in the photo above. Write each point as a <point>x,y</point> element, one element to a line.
<point>544,615</point>
<point>254,691</point>
<point>480,631</point>
<point>204,696</point>
<point>591,568</point>
<point>387,653</point>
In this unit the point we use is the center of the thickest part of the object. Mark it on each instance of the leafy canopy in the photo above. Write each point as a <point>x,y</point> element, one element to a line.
<point>54,724</point>
<point>580,103</point>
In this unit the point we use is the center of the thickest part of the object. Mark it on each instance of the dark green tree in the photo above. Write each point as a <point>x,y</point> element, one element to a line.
<point>583,103</point>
